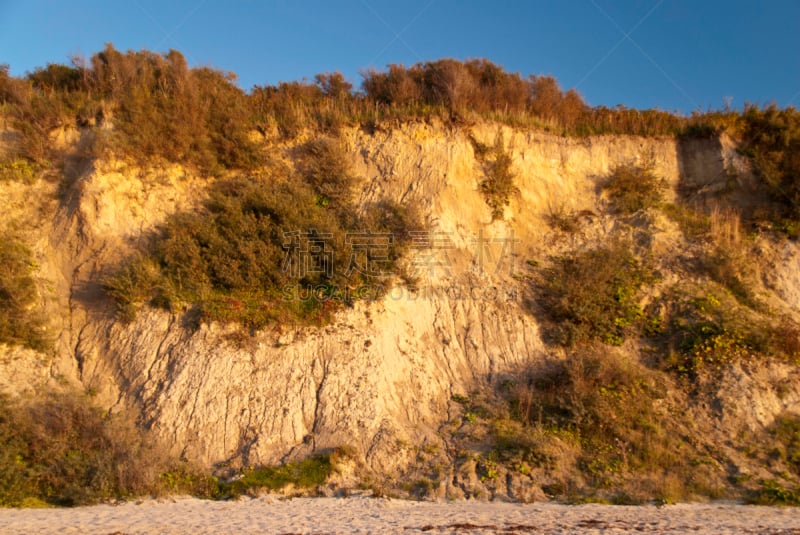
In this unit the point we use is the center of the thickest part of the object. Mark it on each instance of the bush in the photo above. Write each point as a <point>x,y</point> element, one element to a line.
<point>771,138</point>
<point>773,493</point>
<point>707,329</point>
<point>164,109</point>
<point>498,183</point>
<point>18,170</point>
<point>280,247</point>
<point>593,294</point>
<point>606,404</point>
<point>63,451</point>
<point>21,321</point>
<point>632,188</point>
<point>324,166</point>
<point>786,430</point>
<point>34,115</point>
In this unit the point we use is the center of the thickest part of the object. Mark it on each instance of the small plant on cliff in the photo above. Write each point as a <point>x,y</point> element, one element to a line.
<point>632,188</point>
<point>21,322</point>
<point>498,183</point>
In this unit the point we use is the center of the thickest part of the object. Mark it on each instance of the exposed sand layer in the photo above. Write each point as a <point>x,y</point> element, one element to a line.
<point>365,515</point>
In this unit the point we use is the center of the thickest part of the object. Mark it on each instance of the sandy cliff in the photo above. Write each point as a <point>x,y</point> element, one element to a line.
<point>381,378</point>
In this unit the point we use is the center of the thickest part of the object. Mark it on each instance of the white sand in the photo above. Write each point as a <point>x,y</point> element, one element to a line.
<point>366,515</point>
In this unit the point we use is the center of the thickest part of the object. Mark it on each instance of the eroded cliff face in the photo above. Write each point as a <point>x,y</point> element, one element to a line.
<point>382,376</point>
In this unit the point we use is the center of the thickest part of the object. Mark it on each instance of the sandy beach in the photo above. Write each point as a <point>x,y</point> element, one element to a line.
<point>366,515</point>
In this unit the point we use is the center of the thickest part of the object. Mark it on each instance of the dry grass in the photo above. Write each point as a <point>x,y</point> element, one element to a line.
<point>62,450</point>
<point>21,319</point>
<point>730,261</point>
<point>613,409</point>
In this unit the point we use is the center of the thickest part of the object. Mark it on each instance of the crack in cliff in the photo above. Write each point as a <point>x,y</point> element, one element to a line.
<point>318,401</point>
<point>309,441</point>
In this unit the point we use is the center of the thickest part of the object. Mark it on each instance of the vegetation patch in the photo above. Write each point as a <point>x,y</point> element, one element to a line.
<point>21,322</point>
<point>773,493</point>
<point>18,170</point>
<point>786,431</point>
<point>305,474</point>
<point>593,294</point>
<point>63,451</point>
<point>771,138</point>
<point>159,107</point>
<point>632,188</point>
<point>708,331</point>
<point>323,164</point>
<point>562,220</point>
<point>280,247</point>
<point>694,225</point>
<point>498,183</point>
<point>608,405</point>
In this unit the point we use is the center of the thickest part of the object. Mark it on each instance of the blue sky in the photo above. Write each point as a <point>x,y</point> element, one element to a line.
<point>671,54</point>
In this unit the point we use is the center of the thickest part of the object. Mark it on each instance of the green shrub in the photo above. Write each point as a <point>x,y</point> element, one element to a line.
<point>773,493</point>
<point>632,188</point>
<point>304,474</point>
<point>593,294</point>
<point>18,170</point>
<point>786,431</point>
<point>275,248</point>
<point>21,319</point>
<point>323,164</point>
<point>185,480</point>
<point>707,329</point>
<point>61,450</point>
